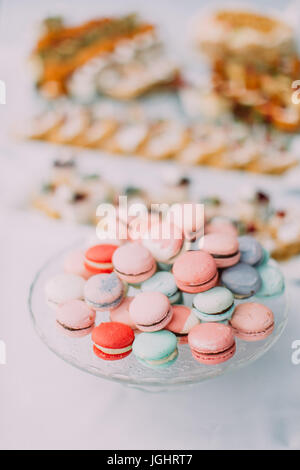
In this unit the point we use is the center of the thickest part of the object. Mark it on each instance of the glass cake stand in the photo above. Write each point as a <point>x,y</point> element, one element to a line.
<point>185,371</point>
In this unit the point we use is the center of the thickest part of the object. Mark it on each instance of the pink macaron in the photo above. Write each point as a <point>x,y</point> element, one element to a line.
<point>121,313</point>
<point>182,322</point>
<point>195,271</point>
<point>75,318</point>
<point>252,321</point>
<point>151,311</point>
<point>221,225</point>
<point>212,343</point>
<point>74,264</point>
<point>133,263</point>
<point>223,247</point>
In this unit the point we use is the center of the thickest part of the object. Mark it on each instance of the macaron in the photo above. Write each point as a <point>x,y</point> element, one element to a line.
<point>272,281</point>
<point>223,247</point>
<point>164,241</point>
<point>121,313</point>
<point>182,322</point>
<point>64,287</point>
<point>195,271</point>
<point>157,349</point>
<point>265,258</point>
<point>212,343</point>
<point>104,291</point>
<point>98,258</point>
<point>150,311</point>
<point>112,341</point>
<point>163,282</point>
<point>133,263</point>
<point>214,305</point>
<point>242,279</point>
<point>252,321</point>
<point>75,318</point>
<point>74,264</point>
<point>189,218</point>
<point>251,250</point>
<point>221,225</point>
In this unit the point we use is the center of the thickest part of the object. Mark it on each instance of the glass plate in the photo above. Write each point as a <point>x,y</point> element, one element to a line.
<point>185,371</point>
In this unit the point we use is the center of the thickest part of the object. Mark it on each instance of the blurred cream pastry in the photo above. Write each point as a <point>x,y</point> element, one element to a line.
<point>129,138</point>
<point>207,143</point>
<point>166,139</point>
<point>240,32</point>
<point>175,186</point>
<point>239,156</point>
<point>128,81</point>
<point>75,123</point>
<point>273,161</point>
<point>97,132</point>
<point>42,125</point>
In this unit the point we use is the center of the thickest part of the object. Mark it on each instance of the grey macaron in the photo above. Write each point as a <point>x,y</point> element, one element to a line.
<point>242,279</point>
<point>251,250</point>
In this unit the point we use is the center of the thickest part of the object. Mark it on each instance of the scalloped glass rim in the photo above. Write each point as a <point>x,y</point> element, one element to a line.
<point>185,371</point>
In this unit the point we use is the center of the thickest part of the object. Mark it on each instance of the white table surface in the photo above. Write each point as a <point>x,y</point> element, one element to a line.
<point>45,403</point>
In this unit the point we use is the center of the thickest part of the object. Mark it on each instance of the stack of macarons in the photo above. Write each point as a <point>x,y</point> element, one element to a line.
<point>153,320</point>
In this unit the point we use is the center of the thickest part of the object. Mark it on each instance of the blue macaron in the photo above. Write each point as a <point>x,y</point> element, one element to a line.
<point>157,349</point>
<point>242,279</point>
<point>251,250</point>
<point>214,305</point>
<point>272,281</point>
<point>163,282</point>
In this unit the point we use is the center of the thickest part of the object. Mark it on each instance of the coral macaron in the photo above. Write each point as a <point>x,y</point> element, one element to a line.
<point>151,311</point>
<point>104,291</point>
<point>133,263</point>
<point>212,343</point>
<point>252,321</point>
<point>98,258</point>
<point>112,341</point>
<point>182,322</point>
<point>223,247</point>
<point>195,271</point>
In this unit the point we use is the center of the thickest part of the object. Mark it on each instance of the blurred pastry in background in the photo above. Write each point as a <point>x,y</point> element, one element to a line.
<point>176,186</point>
<point>206,144</point>
<point>74,125</point>
<point>254,62</point>
<point>41,126</point>
<point>121,57</point>
<point>167,138</point>
<point>72,196</point>
<point>253,213</point>
<point>229,144</point>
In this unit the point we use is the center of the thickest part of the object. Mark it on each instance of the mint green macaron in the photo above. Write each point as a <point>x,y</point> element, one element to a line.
<point>163,282</point>
<point>272,281</point>
<point>214,305</point>
<point>157,349</point>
